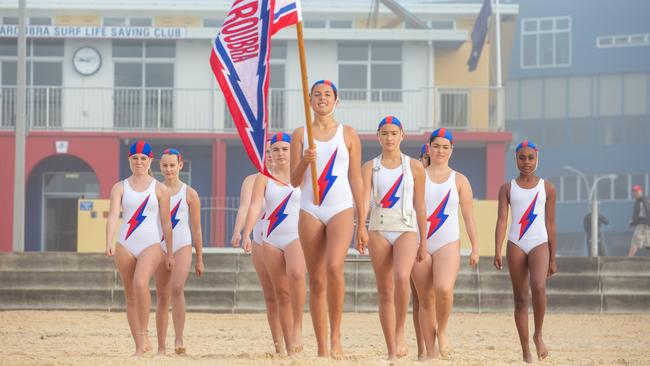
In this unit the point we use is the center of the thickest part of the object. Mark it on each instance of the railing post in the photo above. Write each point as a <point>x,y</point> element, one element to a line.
<point>143,108</point>
<point>47,107</point>
<point>158,107</point>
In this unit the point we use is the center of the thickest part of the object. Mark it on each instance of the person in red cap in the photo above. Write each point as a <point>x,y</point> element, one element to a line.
<point>640,221</point>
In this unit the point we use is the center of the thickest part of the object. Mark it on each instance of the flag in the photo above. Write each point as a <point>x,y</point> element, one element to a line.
<point>240,62</point>
<point>287,13</point>
<point>478,34</point>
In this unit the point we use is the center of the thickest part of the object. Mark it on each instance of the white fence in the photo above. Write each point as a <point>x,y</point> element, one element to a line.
<point>204,110</point>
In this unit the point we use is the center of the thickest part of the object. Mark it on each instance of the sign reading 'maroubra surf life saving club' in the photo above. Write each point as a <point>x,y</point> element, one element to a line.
<point>84,31</point>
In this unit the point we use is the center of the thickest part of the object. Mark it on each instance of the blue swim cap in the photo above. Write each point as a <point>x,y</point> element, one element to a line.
<point>141,147</point>
<point>424,150</point>
<point>526,143</point>
<point>172,151</point>
<point>390,120</point>
<point>442,132</point>
<point>326,82</point>
<point>280,137</point>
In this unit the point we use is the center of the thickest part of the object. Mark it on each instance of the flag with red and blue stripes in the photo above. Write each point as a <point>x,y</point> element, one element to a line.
<point>287,13</point>
<point>240,62</point>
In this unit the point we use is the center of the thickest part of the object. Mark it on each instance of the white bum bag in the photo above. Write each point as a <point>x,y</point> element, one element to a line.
<point>391,219</point>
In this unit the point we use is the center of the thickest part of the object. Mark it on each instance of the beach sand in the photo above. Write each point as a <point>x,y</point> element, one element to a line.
<point>102,338</point>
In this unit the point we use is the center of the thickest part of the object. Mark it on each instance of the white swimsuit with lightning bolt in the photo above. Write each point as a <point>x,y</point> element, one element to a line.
<point>140,227</point>
<point>390,184</point>
<point>283,208</point>
<point>180,215</point>
<point>442,212</point>
<point>332,163</point>
<point>528,223</point>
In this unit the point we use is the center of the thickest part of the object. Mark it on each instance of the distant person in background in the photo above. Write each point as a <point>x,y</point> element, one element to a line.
<point>586,223</point>
<point>640,213</point>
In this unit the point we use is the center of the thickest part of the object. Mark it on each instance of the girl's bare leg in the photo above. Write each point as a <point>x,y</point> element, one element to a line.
<point>272,315</point>
<point>338,238</point>
<point>125,263</point>
<point>312,239</point>
<point>381,254</point>
<point>404,253</point>
<point>538,259</point>
<point>295,268</point>
<point>422,275</point>
<point>446,263</point>
<point>518,268</point>
<point>179,273</point>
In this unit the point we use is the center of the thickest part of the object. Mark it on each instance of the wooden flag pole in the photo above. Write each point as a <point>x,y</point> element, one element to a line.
<point>305,94</point>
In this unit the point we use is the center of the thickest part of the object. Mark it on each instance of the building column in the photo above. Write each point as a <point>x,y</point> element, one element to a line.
<point>219,181</point>
<point>7,193</point>
<point>494,168</point>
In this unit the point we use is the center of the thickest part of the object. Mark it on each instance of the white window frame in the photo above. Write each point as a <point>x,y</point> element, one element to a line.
<point>368,63</point>
<point>537,32</point>
<point>623,40</point>
<point>453,92</point>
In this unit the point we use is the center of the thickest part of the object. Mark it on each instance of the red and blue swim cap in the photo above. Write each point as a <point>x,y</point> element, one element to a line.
<point>326,82</point>
<point>281,137</point>
<point>172,151</point>
<point>424,150</point>
<point>442,132</point>
<point>141,147</point>
<point>390,120</point>
<point>526,143</point>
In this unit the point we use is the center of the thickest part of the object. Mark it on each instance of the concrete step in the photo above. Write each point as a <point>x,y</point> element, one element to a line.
<point>637,266</point>
<point>558,283</point>
<point>209,281</point>
<point>55,299</point>
<point>565,303</point>
<point>57,280</point>
<point>55,262</point>
<point>626,303</point>
<point>616,284</point>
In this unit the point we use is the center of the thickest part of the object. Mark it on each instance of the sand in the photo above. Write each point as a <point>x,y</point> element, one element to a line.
<point>102,338</point>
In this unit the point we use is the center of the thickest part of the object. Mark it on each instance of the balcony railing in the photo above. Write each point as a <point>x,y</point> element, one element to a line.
<point>204,110</point>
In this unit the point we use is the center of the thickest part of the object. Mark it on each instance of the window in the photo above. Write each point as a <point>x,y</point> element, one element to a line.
<point>314,23</point>
<point>10,20</point>
<point>114,22</point>
<point>212,23</point>
<point>629,40</point>
<point>442,24</point>
<point>40,21</point>
<point>545,42</point>
<point>454,108</point>
<point>44,80</point>
<point>370,71</point>
<point>434,24</point>
<point>144,81</point>
<point>140,22</point>
<point>340,24</point>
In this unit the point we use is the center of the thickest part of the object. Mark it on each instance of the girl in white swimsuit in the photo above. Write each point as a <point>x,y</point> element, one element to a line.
<point>281,246</point>
<point>257,253</point>
<point>438,262</point>
<point>145,218</point>
<point>326,227</point>
<point>394,184</point>
<point>531,243</point>
<point>186,229</point>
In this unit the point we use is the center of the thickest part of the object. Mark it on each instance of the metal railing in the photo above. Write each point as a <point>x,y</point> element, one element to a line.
<point>218,215</point>
<point>569,188</point>
<point>204,110</point>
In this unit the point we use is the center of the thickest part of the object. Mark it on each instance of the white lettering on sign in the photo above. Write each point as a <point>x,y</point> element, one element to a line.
<point>80,31</point>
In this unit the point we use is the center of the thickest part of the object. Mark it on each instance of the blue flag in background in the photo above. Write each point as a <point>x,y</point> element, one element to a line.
<point>478,34</point>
